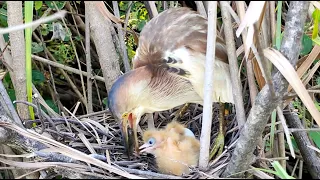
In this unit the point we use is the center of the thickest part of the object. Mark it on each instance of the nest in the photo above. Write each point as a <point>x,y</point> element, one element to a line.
<point>99,133</point>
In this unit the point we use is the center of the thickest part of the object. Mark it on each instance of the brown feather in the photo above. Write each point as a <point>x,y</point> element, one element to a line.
<point>173,29</point>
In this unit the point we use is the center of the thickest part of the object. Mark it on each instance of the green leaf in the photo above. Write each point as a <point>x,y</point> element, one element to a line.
<point>60,4</point>
<point>294,143</point>
<point>37,5</point>
<point>273,124</point>
<point>141,25</point>
<point>3,18</point>
<point>12,94</point>
<point>28,14</point>
<point>105,101</point>
<point>280,172</point>
<point>306,45</point>
<point>36,48</point>
<point>52,105</point>
<point>318,80</point>
<point>316,18</point>
<point>37,77</point>
<point>315,136</point>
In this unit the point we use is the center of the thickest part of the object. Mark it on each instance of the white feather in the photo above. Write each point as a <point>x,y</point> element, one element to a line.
<point>195,64</point>
<point>188,132</point>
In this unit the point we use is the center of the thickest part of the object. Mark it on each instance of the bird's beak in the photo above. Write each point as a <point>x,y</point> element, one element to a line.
<point>145,147</point>
<point>128,126</point>
<point>126,134</point>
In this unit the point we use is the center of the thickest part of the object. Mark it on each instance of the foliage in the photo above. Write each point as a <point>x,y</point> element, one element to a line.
<point>28,39</point>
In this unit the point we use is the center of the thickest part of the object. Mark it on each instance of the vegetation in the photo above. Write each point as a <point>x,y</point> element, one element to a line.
<point>58,42</point>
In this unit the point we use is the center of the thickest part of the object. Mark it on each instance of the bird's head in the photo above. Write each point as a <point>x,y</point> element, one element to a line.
<point>126,102</point>
<point>154,139</point>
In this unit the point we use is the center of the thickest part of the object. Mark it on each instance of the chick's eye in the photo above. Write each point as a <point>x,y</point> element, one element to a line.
<point>151,141</point>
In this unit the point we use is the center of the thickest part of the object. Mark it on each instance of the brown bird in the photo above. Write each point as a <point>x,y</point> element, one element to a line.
<point>168,71</point>
<point>175,148</point>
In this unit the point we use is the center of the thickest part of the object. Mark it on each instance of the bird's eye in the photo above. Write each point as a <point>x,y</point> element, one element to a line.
<point>124,115</point>
<point>151,141</point>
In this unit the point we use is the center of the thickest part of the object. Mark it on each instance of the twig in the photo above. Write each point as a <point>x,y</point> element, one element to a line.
<point>208,86</point>
<point>55,96</point>
<point>121,38</point>
<point>88,61</point>
<point>34,23</point>
<point>148,174</point>
<point>273,20</point>
<point>64,67</point>
<point>41,112</point>
<point>249,67</point>
<point>201,9</point>
<point>151,7</point>
<point>281,144</point>
<point>127,18</point>
<point>236,85</point>
<point>9,105</point>
<point>300,169</point>
<point>286,130</point>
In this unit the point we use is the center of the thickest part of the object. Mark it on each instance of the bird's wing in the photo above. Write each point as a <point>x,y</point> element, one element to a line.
<point>169,31</point>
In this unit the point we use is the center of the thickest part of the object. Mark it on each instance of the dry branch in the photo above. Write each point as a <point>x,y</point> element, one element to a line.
<point>88,62</point>
<point>101,32</point>
<point>234,69</point>
<point>151,8</point>
<point>64,67</point>
<point>121,38</point>
<point>208,86</point>
<point>21,26</point>
<point>15,18</point>
<point>242,156</point>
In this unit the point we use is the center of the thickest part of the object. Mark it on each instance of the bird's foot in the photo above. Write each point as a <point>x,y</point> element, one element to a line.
<point>218,146</point>
<point>180,112</point>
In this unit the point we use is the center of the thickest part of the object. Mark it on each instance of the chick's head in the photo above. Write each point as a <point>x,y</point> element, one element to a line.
<point>156,140</point>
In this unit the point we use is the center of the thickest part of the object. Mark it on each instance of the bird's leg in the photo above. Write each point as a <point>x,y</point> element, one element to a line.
<point>219,141</point>
<point>181,111</point>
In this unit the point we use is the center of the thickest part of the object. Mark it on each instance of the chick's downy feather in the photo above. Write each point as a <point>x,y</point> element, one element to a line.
<point>174,151</point>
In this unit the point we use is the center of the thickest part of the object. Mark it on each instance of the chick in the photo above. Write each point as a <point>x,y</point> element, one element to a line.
<point>175,148</point>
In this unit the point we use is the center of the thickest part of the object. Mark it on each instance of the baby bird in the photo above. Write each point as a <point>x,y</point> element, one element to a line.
<point>175,148</point>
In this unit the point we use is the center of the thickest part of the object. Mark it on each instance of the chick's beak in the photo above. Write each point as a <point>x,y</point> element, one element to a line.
<point>145,147</point>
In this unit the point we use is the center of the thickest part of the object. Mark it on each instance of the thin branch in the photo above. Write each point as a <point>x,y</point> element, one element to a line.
<point>88,61</point>
<point>234,69</point>
<point>201,9</point>
<point>121,38</point>
<point>55,16</point>
<point>64,67</point>
<point>18,53</point>
<point>208,86</point>
<point>151,7</point>
<point>273,20</point>
<point>7,102</point>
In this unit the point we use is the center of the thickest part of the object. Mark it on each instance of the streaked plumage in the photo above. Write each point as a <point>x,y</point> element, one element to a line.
<point>175,148</point>
<point>169,67</point>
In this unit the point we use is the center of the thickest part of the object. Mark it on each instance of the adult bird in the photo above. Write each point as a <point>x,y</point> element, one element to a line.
<point>168,71</point>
